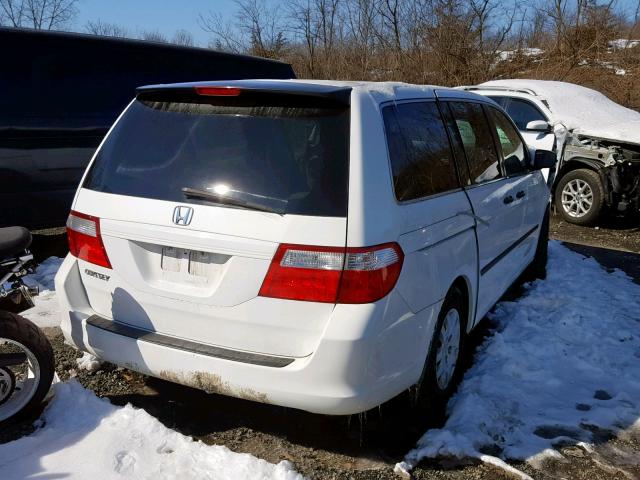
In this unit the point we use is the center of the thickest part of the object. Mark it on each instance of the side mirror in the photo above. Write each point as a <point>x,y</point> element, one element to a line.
<point>512,164</point>
<point>539,126</point>
<point>544,159</point>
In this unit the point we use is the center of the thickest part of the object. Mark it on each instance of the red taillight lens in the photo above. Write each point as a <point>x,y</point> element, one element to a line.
<point>218,91</point>
<point>85,241</point>
<point>333,275</point>
<point>370,273</point>
<point>299,272</point>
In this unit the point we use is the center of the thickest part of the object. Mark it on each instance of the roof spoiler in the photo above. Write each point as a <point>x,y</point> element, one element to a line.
<point>264,93</point>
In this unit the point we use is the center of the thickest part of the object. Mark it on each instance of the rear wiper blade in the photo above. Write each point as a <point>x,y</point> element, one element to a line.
<point>232,198</point>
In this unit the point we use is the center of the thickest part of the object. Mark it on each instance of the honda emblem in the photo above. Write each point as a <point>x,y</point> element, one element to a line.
<point>182,215</point>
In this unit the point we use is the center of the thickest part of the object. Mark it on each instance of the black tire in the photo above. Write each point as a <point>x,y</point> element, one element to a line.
<point>595,184</point>
<point>537,269</point>
<point>17,328</point>
<point>431,398</point>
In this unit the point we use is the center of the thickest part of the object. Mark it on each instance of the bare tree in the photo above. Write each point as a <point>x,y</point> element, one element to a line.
<point>38,14</point>
<point>154,36</point>
<point>106,29</point>
<point>259,25</point>
<point>183,37</point>
<point>361,17</point>
<point>537,33</point>
<point>304,26</point>
<point>316,25</point>
<point>582,30</point>
<point>449,42</point>
<point>225,36</point>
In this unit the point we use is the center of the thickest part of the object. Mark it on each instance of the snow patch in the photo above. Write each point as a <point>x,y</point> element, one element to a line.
<point>622,43</point>
<point>562,366</point>
<point>45,274</point>
<point>87,437</point>
<point>504,55</point>
<point>89,362</point>
<point>581,109</point>
<point>46,312</point>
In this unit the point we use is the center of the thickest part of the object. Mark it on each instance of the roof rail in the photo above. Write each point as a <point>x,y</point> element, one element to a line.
<point>499,88</point>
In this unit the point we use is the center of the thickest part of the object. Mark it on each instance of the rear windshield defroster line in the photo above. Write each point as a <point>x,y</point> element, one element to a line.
<point>295,156</point>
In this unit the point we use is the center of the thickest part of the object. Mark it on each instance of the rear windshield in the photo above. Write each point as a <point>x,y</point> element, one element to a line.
<point>278,158</point>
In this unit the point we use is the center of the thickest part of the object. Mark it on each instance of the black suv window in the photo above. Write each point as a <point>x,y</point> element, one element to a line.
<point>287,159</point>
<point>477,141</point>
<point>514,156</point>
<point>421,159</point>
<point>521,111</point>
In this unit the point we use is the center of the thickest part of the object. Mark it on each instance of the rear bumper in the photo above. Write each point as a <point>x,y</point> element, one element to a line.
<point>362,360</point>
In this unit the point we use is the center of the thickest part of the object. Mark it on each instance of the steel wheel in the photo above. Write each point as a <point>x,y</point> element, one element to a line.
<point>577,198</point>
<point>19,377</point>
<point>448,349</point>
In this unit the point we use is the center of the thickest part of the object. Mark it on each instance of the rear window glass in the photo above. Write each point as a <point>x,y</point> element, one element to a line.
<point>279,158</point>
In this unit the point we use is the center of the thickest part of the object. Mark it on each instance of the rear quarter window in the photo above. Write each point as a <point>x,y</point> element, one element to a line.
<point>421,160</point>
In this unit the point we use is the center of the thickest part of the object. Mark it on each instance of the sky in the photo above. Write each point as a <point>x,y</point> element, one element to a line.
<point>166,16</point>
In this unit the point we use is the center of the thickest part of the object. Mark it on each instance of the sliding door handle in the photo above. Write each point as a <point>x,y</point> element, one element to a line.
<point>508,199</point>
<point>520,194</point>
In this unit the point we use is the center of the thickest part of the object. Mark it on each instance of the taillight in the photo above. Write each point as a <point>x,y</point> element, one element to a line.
<point>333,274</point>
<point>370,274</point>
<point>218,91</point>
<point>85,241</point>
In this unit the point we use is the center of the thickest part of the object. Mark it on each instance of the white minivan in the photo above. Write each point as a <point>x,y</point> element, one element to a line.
<point>312,244</point>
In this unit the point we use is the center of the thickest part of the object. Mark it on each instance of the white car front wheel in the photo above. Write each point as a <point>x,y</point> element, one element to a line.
<point>580,196</point>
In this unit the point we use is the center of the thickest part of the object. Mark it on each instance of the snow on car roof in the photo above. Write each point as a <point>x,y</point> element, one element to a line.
<point>586,111</point>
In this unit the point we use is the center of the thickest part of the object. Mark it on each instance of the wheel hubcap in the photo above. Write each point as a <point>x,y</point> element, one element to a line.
<point>577,198</point>
<point>448,349</point>
<point>7,384</point>
<point>19,377</point>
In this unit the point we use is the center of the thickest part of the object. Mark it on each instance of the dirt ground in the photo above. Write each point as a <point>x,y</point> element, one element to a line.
<point>618,233</point>
<point>357,447</point>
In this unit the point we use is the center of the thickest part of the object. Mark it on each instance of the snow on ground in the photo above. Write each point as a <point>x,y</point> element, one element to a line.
<point>504,55</point>
<point>46,313</point>
<point>89,362</point>
<point>622,43</point>
<point>87,437</point>
<point>84,436</point>
<point>564,361</point>
<point>582,109</point>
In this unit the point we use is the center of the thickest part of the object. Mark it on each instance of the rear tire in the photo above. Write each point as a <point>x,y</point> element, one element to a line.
<point>23,332</point>
<point>579,197</point>
<point>443,367</point>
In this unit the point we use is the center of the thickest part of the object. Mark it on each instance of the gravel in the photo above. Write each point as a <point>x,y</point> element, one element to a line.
<point>351,448</point>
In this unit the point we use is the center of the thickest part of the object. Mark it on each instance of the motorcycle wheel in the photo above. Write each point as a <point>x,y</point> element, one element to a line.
<point>26,366</point>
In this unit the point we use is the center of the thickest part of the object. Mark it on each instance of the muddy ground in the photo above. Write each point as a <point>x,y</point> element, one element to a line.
<point>357,447</point>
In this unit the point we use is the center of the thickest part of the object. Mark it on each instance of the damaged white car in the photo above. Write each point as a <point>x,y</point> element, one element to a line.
<point>597,142</point>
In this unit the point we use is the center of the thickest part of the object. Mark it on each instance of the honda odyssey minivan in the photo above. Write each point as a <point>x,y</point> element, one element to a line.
<point>312,244</point>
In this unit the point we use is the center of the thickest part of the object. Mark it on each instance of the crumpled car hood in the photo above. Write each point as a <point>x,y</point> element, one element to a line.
<point>583,110</point>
